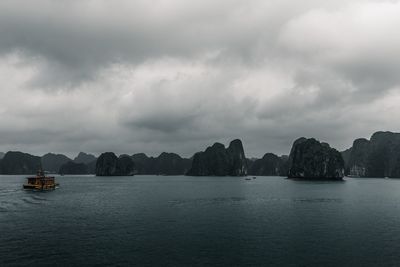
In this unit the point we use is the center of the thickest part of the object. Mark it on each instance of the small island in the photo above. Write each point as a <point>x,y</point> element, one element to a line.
<point>313,160</point>
<point>217,160</point>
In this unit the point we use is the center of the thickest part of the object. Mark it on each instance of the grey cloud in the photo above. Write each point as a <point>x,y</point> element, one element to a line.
<point>76,39</point>
<point>153,76</point>
<point>167,123</point>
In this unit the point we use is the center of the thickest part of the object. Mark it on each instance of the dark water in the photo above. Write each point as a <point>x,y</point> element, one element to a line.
<point>200,221</point>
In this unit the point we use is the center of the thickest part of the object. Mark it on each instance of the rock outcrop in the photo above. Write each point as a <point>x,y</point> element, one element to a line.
<point>142,163</point>
<point>357,161</point>
<point>52,162</point>
<point>170,164</point>
<point>284,168</point>
<point>91,167</point>
<point>218,161</point>
<point>269,165</point>
<point>82,164</point>
<point>108,164</point>
<point>83,157</point>
<point>377,157</point>
<point>310,159</point>
<point>73,168</point>
<point>164,164</point>
<point>19,163</point>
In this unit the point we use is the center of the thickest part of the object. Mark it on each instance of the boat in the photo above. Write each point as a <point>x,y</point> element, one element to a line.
<point>254,177</point>
<point>41,182</point>
<point>247,178</point>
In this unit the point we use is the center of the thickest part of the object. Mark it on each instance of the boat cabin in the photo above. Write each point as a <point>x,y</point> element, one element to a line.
<point>40,182</point>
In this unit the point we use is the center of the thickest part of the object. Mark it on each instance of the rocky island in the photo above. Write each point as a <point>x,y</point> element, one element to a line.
<point>108,164</point>
<point>83,163</point>
<point>164,164</point>
<point>269,165</point>
<point>52,162</point>
<point>377,157</point>
<point>15,162</point>
<point>217,160</point>
<point>85,158</point>
<point>311,159</point>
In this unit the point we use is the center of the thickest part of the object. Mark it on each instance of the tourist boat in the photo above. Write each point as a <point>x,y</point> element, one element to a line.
<point>41,182</point>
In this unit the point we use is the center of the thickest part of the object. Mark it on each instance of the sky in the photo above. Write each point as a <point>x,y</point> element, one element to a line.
<point>155,75</point>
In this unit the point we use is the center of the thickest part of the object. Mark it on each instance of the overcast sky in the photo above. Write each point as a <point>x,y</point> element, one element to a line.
<point>177,75</point>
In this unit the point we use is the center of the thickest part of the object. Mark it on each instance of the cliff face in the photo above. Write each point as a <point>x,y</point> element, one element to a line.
<point>84,158</point>
<point>218,161</point>
<point>358,158</point>
<point>19,163</point>
<point>164,164</point>
<point>377,157</point>
<point>170,164</point>
<point>284,167</point>
<point>310,159</point>
<point>346,157</point>
<point>82,164</point>
<point>142,163</point>
<point>91,167</point>
<point>236,159</point>
<point>269,165</point>
<point>108,164</point>
<point>52,162</point>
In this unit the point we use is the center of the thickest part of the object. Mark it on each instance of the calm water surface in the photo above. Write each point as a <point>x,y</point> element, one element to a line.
<point>200,221</point>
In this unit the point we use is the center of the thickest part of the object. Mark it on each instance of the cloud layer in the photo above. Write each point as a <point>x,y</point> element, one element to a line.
<point>153,76</point>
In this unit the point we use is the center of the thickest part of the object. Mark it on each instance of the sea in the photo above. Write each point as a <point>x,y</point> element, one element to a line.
<point>200,221</point>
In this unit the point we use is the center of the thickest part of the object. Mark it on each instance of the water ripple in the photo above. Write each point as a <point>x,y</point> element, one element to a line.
<point>215,200</point>
<point>318,200</point>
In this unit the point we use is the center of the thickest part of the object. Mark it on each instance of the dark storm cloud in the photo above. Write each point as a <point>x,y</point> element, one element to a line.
<point>77,38</point>
<point>133,76</point>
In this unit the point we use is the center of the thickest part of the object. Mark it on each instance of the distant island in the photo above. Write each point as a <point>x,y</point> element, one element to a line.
<point>218,161</point>
<point>308,159</point>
